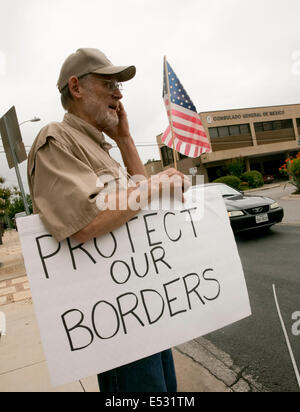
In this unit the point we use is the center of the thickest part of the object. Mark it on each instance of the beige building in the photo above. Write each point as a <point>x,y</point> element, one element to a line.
<point>154,167</point>
<point>262,136</point>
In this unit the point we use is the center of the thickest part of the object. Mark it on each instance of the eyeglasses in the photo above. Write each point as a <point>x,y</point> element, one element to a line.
<point>113,84</point>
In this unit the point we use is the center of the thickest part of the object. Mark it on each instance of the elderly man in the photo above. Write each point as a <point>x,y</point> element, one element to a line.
<point>65,164</point>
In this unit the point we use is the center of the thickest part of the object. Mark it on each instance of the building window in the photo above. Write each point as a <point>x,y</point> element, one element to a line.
<point>223,131</point>
<point>298,122</point>
<point>267,126</point>
<point>213,132</point>
<point>167,155</point>
<point>275,125</point>
<point>287,124</point>
<point>234,130</point>
<point>258,127</point>
<point>245,128</point>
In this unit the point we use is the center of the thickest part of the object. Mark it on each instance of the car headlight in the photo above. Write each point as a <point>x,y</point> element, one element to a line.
<point>274,205</point>
<point>235,213</point>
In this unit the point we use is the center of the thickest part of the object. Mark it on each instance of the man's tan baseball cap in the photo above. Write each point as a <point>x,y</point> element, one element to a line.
<point>86,61</point>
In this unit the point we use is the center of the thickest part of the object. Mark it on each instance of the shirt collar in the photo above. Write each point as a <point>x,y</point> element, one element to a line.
<point>86,128</point>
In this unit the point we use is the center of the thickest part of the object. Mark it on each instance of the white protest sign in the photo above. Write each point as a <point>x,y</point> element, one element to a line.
<point>162,279</point>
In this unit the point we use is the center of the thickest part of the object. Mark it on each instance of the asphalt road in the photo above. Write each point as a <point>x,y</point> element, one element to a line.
<point>281,195</point>
<point>257,344</point>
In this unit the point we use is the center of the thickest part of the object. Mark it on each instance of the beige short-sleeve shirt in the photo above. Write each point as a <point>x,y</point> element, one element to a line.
<point>64,166</point>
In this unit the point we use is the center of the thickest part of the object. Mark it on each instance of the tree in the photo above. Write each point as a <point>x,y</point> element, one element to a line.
<point>16,205</point>
<point>11,203</point>
<point>5,194</point>
<point>291,168</point>
<point>2,214</point>
<point>236,167</point>
<point>151,161</point>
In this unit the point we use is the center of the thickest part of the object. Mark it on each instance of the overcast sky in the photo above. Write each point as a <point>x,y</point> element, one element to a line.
<point>227,54</point>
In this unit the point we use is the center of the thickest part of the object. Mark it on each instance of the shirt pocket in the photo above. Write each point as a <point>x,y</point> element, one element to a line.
<point>111,179</point>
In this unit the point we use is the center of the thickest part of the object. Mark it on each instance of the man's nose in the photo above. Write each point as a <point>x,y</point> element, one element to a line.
<point>117,94</point>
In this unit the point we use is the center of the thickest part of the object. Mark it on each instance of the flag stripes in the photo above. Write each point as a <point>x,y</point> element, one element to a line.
<point>189,138</point>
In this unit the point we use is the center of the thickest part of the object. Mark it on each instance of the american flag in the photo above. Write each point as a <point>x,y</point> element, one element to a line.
<point>189,134</point>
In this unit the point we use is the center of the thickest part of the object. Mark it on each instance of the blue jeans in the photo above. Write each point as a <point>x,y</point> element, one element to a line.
<point>155,373</point>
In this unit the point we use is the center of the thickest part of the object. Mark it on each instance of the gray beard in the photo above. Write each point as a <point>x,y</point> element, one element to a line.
<point>110,121</point>
<point>103,118</point>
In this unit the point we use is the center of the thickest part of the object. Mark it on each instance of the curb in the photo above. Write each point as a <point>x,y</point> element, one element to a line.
<point>220,365</point>
<point>291,197</point>
<point>265,187</point>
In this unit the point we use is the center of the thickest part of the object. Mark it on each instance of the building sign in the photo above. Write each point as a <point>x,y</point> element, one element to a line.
<point>247,116</point>
<point>162,279</point>
<point>193,171</point>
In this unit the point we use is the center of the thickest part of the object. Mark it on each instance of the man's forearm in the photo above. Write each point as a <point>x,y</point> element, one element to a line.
<point>130,156</point>
<point>105,222</point>
<point>112,218</point>
<point>119,208</point>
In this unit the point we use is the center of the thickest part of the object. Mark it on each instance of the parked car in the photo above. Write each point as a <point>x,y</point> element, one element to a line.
<point>268,179</point>
<point>248,212</point>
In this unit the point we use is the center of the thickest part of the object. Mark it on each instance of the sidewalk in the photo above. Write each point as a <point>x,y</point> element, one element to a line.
<point>22,362</point>
<point>11,258</point>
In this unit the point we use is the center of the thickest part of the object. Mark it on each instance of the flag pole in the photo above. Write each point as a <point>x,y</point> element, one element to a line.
<point>170,117</point>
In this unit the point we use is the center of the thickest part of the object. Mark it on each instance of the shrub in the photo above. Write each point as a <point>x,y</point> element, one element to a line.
<point>253,178</point>
<point>236,167</point>
<point>244,186</point>
<point>231,181</point>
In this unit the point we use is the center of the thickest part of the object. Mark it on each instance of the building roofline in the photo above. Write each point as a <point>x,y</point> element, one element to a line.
<point>250,108</point>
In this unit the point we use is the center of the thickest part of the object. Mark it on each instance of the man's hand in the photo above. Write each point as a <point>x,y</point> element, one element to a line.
<point>121,135</point>
<point>179,183</point>
<point>121,131</point>
<point>170,182</point>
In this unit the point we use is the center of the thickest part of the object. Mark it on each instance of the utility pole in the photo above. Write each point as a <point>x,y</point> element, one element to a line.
<point>16,165</point>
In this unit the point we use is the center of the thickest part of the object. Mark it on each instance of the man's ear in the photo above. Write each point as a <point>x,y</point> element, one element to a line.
<point>74,87</point>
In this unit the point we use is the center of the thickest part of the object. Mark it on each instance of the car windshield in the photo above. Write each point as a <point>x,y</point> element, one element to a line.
<point>226,191</point>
